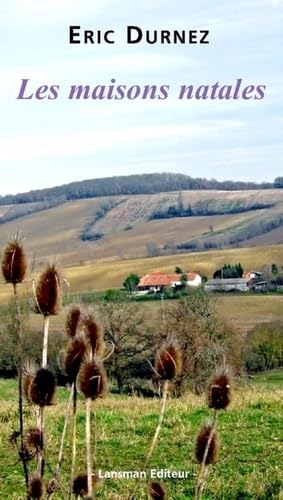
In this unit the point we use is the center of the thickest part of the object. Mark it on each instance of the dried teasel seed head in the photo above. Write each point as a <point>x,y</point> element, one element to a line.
<point>201,443</point>
<point>92,378</point>
<point>14,263</point>
<point>33,438</point>
<point>27,454</point>
<point>42,388</point>
<point>72,320</point>
<point>27,379</point>
<point>32,443</point>
<point>75,353</point>
<point>80,485</point>
<point>94,334</point>
<point>36,488</point>
<point>157,491</point>
<point>219,393</point>
<point>48,292</point>
<point>168,362</point>
<point>52,486</point>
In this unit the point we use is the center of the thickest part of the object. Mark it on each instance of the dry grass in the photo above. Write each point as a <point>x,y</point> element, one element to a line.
<point>133,244</point>
<point>107,273</point>
<point>102,274</point>
<point>55,232</point>
<point>243,312</point>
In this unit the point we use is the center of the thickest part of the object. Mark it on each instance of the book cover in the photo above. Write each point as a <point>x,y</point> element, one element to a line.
<point>141,233</point>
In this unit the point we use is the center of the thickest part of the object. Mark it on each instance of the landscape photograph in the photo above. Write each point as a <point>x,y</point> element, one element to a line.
<point>167,288</point>
<point>141,250</point>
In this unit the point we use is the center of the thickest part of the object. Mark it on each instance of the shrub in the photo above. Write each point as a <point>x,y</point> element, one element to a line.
<point>264,347</point>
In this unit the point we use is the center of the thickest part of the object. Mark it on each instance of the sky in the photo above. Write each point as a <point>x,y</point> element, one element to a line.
<point>51,142</point>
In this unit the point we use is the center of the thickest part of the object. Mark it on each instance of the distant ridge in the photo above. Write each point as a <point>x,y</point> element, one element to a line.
<point>131,185</point>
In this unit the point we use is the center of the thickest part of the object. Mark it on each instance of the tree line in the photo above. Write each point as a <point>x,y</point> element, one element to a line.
<point>130,185</point>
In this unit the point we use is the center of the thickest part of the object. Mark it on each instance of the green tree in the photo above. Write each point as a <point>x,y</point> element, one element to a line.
<point>274,269</point>
<point>228,271</point>
<point>239,269</point>
<point>264,347</point>
<point>131,282</point>
<point>178,270</point>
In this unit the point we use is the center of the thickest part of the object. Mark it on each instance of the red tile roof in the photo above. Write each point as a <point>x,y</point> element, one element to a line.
<point>246,274</point>
<point>157,278</point>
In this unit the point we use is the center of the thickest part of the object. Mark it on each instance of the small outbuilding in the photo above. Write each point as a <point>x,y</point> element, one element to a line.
<point>227,285</point>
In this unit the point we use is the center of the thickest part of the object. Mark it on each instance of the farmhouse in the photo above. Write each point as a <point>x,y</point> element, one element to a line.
<point>252,274</point>
<point>227,285</point>
<point>156,281</point>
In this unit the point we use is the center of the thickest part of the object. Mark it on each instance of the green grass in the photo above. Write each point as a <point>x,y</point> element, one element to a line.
<point>8,390</point>
<point>250,460</point>
<point>273,378</point>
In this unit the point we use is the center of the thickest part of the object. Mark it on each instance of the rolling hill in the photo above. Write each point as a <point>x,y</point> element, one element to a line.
<point>135,226</point>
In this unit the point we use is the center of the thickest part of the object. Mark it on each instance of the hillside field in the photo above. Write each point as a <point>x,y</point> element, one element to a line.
<point>126,227</point>
<point>244,311</point>
<point>101,274</point>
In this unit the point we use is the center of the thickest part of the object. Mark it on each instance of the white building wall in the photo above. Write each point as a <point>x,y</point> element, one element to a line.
<point>196,281</point>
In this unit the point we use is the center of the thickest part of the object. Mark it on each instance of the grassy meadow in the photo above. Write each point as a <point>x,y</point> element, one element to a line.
<point>251,442</point>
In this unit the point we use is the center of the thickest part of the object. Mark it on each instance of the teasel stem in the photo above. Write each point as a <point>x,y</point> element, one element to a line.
<point>156,434</point>
<point>160,421</point>
<point>94,436</point>
<point>60,454</point>
<point>20,385</point>
<point>88,447</point>
<point>40,424</point>
<point>40,415</point>
<point>203,468</point>
<point>201,484</point>
<point>74,437</point>
<point>45,341</point>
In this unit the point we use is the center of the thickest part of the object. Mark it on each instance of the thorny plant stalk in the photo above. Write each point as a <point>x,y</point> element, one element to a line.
<point>160,421</point>
<point>88,447</point>
<point>74,438</point>
<point>94,436</point>
<point>40,424</point>
<point>20,383</point>
<point>202,484</point>
<point>156,434</point>
<point>203,468</point>
<point>60,454</point>
<point>40,415</point>
<point>45,341</point>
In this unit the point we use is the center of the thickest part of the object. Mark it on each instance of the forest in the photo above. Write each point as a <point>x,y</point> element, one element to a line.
<point>132,184</point>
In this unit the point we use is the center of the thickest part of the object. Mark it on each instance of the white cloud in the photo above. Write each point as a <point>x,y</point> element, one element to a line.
<point>30,147</point>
